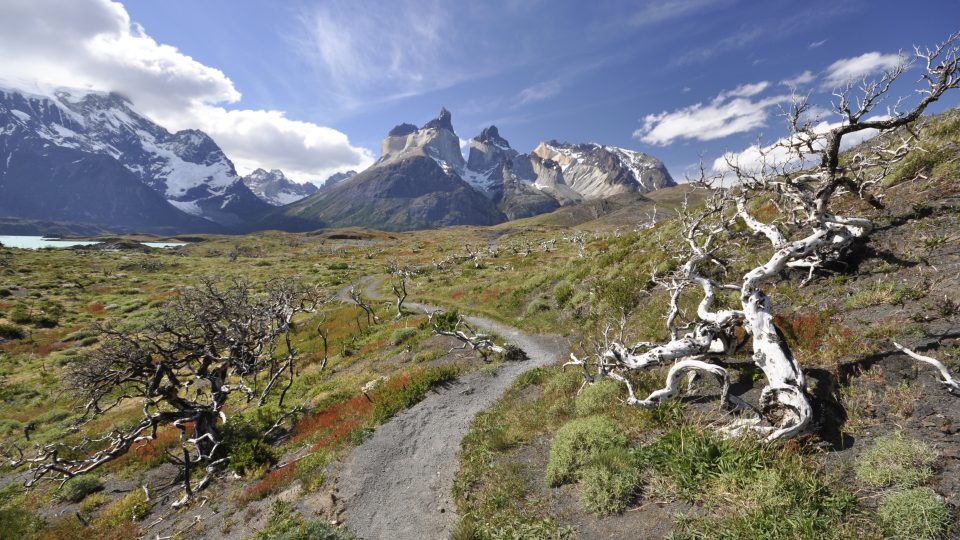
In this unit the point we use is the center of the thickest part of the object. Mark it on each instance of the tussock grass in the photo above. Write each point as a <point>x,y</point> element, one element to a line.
<point>893,460</point>
<point>914,514</point>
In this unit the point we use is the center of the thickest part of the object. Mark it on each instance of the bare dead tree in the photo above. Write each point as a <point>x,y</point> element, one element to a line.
<point>801,175</point>
<point>356,294</point>
<point>484,344</point>
<point>400,275</point>
<point>208,344</point>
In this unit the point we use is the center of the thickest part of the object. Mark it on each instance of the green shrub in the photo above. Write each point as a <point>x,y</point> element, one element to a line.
<point>446,320</point>
<point>598,397</point>
<point>577,443</point>
<point>248,456</point>
<point>287,524</point>
<point>338,266</point>
<point>402,334</point>
<point>914,514</point>
<point>610,482</point>
<point>243,440</point>
<point>895,461</point>
<point>78,487</point>
<point>11,331</point>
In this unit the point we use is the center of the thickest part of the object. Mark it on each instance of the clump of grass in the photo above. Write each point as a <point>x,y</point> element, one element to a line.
<point>893,460</point>
<point>914,514</point>
<point>610,482</point>
<point>402,392</point>
<point>747,489</point>
<point>287,524</point>
<point>132,507</point>
<point>577,443</point>
<point>402,334</point>
<point>425,356</point>
<point>78,487</point>
<point>598,397</point>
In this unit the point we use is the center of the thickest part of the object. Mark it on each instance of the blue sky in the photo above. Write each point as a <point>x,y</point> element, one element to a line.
<point>629,74</point>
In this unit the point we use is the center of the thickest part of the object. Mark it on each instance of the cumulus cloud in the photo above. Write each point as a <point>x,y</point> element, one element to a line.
<point>846,70</point>
<point>755,157</point>
<point>732,111</point>
<point>92,44</point>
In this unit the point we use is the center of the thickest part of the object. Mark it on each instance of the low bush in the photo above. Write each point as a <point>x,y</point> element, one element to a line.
<point>610,482</point>
<point>598,397</point>
<point>402,334</point>
<point>78,487</point>
<point>893,460</point>
<point>11,331</point>
<point>914,514</point>
<point>577,443</point>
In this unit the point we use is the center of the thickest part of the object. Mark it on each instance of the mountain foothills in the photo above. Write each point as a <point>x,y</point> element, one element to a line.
<point>90,159</point>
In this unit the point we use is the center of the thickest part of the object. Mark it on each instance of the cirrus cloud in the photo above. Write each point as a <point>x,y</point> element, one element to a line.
<point>93,44</point>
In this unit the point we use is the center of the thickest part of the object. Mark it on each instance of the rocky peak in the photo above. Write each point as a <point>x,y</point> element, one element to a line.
<point>436,139</point>
<point>491,135</point>
<point>402,130</point>
<point>444,120</point>
<point>336,178</point>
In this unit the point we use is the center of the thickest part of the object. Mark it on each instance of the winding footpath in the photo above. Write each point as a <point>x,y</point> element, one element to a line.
<point>397,484</point>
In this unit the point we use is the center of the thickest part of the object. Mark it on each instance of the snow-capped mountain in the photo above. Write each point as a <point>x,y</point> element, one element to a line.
<point>276,189</point>
<point>186,168</point>
<point>596,171</point>
<point>421,180</point>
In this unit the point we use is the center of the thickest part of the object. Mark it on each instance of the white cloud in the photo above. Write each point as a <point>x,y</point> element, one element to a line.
<point>846,70</point>
<point>756,158</point>
<point>540,91</point>
<point>732,111</point>
<point>93,44</point>
<point>816,44</point>
<point>802,79</point>
<point>664,10</point>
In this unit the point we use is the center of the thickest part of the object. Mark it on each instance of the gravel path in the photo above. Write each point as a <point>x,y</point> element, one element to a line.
<point>397,483</point>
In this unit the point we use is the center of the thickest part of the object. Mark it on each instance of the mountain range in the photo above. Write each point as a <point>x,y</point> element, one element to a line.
<point>89,158</point>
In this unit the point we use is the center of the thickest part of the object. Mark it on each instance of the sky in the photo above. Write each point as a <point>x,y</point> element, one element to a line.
<point>312,87</point>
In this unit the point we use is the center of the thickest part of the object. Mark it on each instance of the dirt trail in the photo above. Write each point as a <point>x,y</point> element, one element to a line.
<point>397,483</point>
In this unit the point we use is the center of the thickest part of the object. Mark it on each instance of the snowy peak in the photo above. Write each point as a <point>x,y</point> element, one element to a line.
<point>488,153</point>
<point>187,168</point>
<point>596,171</point>
<point>275,189</point>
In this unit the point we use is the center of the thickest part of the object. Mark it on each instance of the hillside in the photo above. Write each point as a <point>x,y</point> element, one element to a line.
<point>552,280</point>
